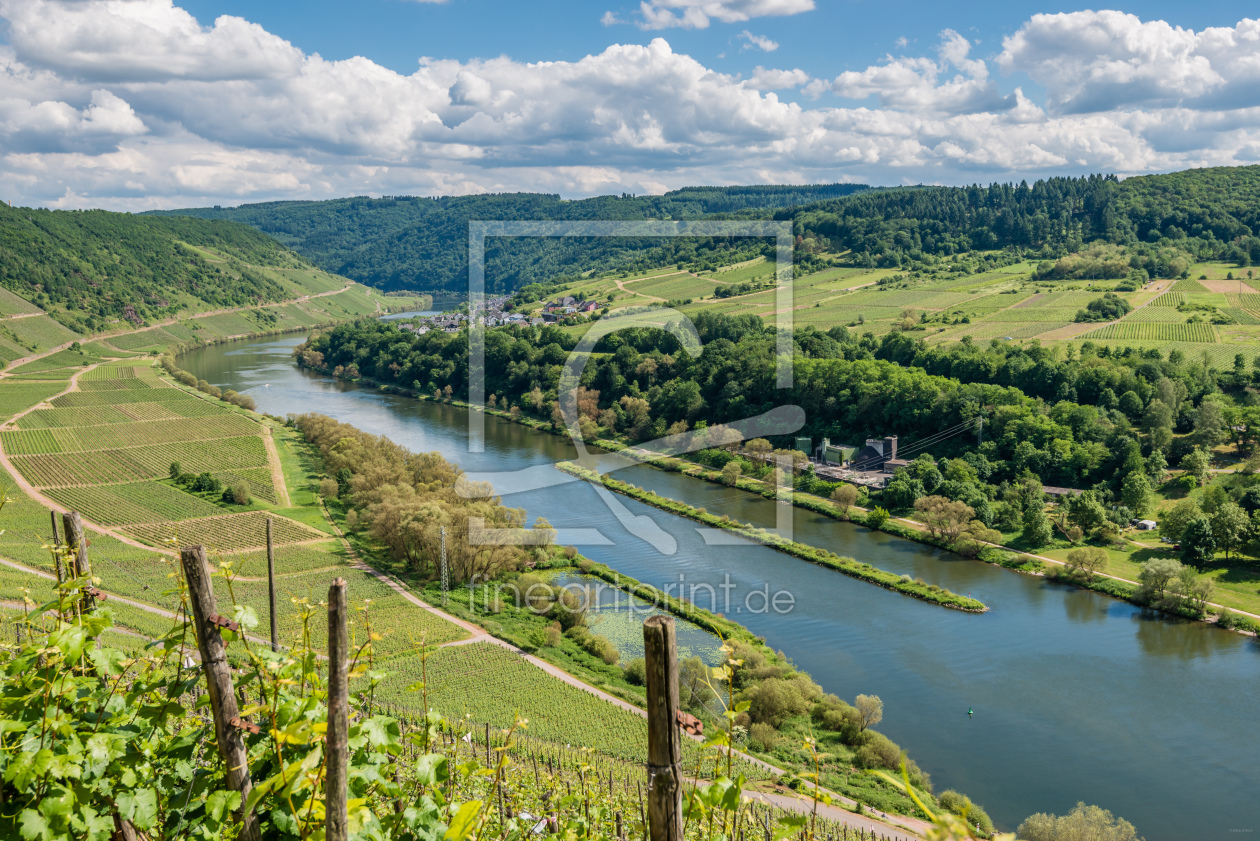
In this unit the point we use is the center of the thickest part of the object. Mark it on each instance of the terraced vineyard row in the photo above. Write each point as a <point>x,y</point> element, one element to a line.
<point>490,683</point>
<point>119,436</point>
<point>136,463</point>
<point>115,372</point>
<point>400,623</point>
<point>17,396</point>
<point>139,502</point>
<point>227,532</point>
<point>291,559</point>
<point>1168,315</point>
<point>94,415</point>
<point>1154,331</point>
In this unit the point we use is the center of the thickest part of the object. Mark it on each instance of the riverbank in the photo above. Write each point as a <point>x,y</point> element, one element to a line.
<point>1007,557</point>
<point>848,566</point>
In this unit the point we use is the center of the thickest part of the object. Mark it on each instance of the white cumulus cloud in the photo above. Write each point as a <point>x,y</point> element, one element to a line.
<point>759,42</point>
<point>697,14</point>
<point>133,104</point>
<point>1099,61</point>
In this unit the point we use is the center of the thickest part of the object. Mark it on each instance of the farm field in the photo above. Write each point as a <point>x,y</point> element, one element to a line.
<point>1215,316</point>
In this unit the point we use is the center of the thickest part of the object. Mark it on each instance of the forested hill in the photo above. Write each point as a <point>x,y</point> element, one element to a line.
<point>1208,212</point>
<point>91,269</point>
<point>411,242</point>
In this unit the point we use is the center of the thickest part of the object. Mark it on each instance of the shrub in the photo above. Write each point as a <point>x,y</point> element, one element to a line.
<point>635,671</point>
<point>774,700</point>
<point>877,517</point>
<point>176,470</point>
<point>764,735</point>
<point>206,483</point>
<point>962,806</point>
<point>328,488</point>
<point>213,391</point>
<point>1084,821</point>
<point>240,493</point>
<point>878,751</point>
<point>552,635</point>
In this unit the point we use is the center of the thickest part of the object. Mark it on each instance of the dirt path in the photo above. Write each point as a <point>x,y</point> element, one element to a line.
<point>277,472</point>
<point>621,286</point>
<point>33,493</point>
<point>802,804</point>
<point>105,337</point>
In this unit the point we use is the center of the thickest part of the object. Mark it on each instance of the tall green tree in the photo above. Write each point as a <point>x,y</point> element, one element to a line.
<point>1198,543</point>
<point>1037,530</point>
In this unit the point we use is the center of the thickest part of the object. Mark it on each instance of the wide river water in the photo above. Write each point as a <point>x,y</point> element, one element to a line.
<point>1076,697</point>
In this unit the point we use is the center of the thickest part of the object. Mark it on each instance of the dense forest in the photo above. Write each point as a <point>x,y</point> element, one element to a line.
<point>1206,212</point>
<point>421,243</point>
<point>412,242</point>
<point>87,268</point>
<point>1088,419</point>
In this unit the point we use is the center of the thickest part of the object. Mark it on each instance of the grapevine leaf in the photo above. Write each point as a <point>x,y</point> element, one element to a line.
<point>464,821</point>
<point>432,769</point>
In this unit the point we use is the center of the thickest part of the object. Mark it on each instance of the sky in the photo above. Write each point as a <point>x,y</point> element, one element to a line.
<point>140,104</point>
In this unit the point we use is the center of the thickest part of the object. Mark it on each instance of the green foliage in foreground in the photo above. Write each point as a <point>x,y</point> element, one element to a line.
<point>99,739</point>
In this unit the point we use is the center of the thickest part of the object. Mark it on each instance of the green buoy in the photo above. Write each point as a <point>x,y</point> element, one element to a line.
<point>969,712</point>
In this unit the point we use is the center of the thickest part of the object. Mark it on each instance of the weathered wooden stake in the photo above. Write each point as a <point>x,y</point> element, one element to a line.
<point>73,527</point>
<point>664,763</point>
<point>218,682</point>
<point>56,542</point>
<point>337,818</point>
<point>271,588</point>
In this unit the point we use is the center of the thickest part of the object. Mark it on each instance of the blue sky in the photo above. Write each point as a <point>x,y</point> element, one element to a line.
<point>154,103</point>
<point>836,35</point>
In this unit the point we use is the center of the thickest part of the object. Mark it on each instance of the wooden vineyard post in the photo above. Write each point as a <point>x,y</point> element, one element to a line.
<point>271,588</point>
<point>82,567</point>
<point>56,542</point>
<point>664,764</point>
<point>219,683</point>
<point>336,816</point>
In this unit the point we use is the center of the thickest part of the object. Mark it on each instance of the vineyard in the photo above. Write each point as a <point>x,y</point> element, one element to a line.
<point>290,559</point>
<point>1155,331</point>
<point>226,532</point>
<point>130,464</point>
<point>492,684</point>
<point>17,396</point>
<point>120,436</point>
<point>401,624</point>
<point>139,502</point>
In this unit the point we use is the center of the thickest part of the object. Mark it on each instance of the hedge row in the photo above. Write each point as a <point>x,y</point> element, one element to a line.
<point>849,566</point>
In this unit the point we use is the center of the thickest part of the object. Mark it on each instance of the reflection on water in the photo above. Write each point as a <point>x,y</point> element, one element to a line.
<point>1076,696</point>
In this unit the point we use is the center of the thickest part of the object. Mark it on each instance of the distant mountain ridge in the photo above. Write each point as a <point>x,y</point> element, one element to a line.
<point>421,243</point>
<point>410,242</point>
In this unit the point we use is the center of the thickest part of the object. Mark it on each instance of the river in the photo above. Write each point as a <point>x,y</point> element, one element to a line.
<point>1077,697</point>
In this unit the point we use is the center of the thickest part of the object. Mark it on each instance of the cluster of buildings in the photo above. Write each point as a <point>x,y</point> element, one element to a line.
<point>566,306</point>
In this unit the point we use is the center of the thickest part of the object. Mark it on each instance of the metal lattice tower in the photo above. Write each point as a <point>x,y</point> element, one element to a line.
<point>446,581</point>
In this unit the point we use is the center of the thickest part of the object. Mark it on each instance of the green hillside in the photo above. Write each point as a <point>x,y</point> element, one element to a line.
<point>420,243</point>
<point>1211,213</point>
<point>94,271</point>
<point>412,242</point>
